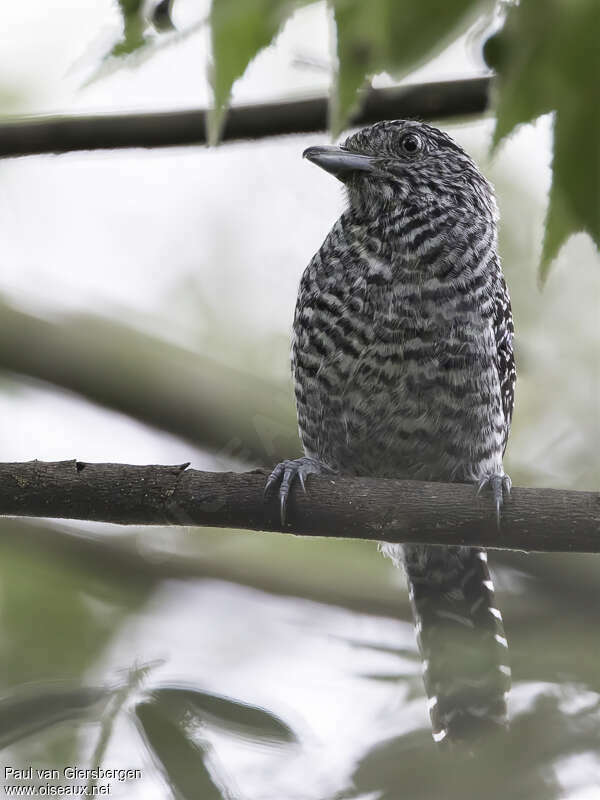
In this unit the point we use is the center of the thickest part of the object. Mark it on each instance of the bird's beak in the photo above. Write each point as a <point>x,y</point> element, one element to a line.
<point>337,161</point>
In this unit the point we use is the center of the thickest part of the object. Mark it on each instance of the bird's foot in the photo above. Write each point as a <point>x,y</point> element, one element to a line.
<point>499,483</point>
<point>286,472</point>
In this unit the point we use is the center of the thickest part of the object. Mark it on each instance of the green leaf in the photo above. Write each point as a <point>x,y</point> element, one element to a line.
<point>233,716</point>
<point>179,758</point>
<point>547,59</point>
<point>240,29</point>
<point>134,25</point>
<point>392,36</point>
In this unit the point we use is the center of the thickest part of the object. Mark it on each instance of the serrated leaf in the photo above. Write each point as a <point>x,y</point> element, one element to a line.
<point>547,59</point>
<point>240,29</point>
<point>134,26</point>
<point>393,36</point>
<point>241,719</point>
<point>178,757</point>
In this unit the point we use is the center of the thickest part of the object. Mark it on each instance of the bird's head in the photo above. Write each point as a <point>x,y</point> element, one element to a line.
<point>392,164</point>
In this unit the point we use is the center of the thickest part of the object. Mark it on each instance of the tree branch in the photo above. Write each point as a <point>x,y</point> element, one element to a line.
<point>61,134</point>
<point>231,412</point>
<point>542,520</point>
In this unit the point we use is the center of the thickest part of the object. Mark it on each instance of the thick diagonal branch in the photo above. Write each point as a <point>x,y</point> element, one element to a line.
<point>232,413</point>
<point>543,520</point>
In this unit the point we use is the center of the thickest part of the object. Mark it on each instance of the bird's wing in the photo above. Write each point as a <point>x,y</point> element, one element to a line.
<point>505,362</point>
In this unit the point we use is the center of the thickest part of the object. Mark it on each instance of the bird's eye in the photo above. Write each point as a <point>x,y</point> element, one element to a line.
<point>411,143</point>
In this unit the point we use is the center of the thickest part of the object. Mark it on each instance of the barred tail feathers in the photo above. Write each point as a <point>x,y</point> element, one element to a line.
<point>461,639</point>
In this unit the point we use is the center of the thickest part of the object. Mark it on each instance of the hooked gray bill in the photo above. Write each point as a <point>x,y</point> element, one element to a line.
<point>338,161</point>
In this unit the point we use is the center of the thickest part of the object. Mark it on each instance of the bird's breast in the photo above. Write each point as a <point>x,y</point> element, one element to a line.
<point>392,376</point>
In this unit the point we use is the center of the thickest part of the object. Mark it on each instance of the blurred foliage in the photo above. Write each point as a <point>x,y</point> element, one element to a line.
<point>393,36</point>
<point>76,601</point>
<point>545,56</point>
<point>519,766</point>
<point>161,16</point>
<point>239,31</point>
<point>555,435</point>
<point>134,26</point>
<point>56,616</point>
<point>178,756</point>
<point>195,708</point>
<point>556,713</point>
<point>384,36</point>
<point>172,721</point>
<point>146,32</point>
<point>170,387</point>
<point>31,710</point>
<point>547,59</point>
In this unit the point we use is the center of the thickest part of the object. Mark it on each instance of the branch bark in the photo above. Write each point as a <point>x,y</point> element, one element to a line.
<point>61,134</point>
<point>534,520</point>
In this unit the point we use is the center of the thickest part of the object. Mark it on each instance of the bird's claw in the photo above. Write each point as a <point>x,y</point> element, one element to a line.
<point>499,483</point>
<point>284,475</point>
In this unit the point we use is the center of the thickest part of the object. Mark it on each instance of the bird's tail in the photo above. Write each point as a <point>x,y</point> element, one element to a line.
<point>461,638</point>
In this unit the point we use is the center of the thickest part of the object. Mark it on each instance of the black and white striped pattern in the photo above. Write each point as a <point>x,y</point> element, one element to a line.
<point>403,367</point>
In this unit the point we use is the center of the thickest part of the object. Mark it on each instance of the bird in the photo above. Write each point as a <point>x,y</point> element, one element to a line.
<point>403,367</point>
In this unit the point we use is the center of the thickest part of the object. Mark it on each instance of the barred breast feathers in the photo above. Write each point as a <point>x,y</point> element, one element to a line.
<point>402,358</point>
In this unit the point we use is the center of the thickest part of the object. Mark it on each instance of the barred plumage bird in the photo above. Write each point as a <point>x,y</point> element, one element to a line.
<point>403,368</point>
